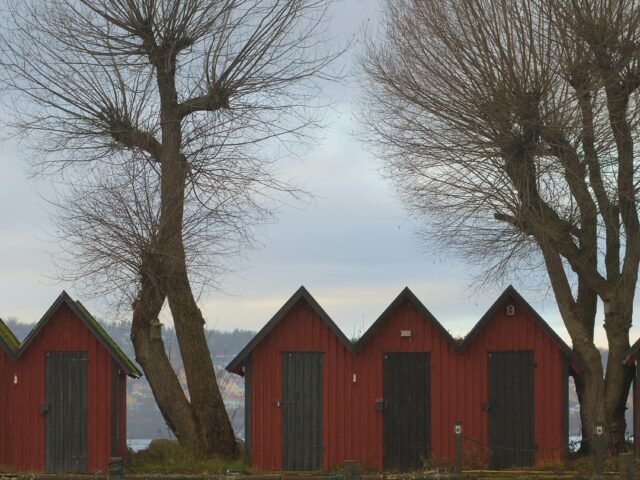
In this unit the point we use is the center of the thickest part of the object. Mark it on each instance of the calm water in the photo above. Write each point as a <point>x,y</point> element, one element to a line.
<point>137,444</point>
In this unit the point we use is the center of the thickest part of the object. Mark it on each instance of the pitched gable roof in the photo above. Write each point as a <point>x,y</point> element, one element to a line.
<point>8,341</point>
<point>94,327</point>
<point>301,294</point>
<point>511,292</point>
<point>405,295</point>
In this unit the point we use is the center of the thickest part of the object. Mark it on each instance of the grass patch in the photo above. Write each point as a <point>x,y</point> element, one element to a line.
<point>167,456</point>
<point>575,467</point>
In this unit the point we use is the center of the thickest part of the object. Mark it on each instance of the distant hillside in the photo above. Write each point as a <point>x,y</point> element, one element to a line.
<point>143,417</point>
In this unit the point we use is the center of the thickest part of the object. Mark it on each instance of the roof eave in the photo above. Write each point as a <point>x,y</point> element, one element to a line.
<point>631,353</point>
<point>7,349</point>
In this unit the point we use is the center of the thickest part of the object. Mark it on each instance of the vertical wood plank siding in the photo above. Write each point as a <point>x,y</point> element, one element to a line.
<point>636,406</point>
<point>247,411</point>
<point>115,410</point>
<point>24,442</point>
<point>118,411</point>
<point>300,330</point>
<point>122,417</point>
<point>521,333</point>
<point>6,377</point>
<point>351,383</point>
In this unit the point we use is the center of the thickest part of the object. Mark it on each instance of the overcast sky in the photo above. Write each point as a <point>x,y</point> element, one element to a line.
<point>354,247</point>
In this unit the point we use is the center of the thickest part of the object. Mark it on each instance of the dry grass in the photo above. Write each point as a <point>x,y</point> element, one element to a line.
<point>168,457</point>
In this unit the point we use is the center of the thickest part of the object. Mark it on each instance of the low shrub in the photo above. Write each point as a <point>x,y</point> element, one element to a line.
<point>169,457</point>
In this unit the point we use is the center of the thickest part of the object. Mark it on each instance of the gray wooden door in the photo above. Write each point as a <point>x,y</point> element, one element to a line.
<point>510,409</point>
<point>65,412</point>
<point>301,405</point>
<point>406,426</point>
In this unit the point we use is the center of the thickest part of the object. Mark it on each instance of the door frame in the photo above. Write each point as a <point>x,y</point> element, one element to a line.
<point>426,449</point>
<point>62,372</point>
<point>315,461</point>
<point>494,462</point>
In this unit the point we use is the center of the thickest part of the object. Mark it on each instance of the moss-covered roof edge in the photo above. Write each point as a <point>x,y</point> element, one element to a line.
<point>116,350</point>
<point>8,338</point>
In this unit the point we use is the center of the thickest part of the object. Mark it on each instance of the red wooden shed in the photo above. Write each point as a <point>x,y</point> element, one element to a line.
<point>63,393</point>
<point>8,347</point>
<point>632,358</point>
<point>389,401</point>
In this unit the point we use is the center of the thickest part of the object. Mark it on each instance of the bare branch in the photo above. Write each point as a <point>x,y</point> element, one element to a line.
<point>508,129</point>
<point>165,117</point>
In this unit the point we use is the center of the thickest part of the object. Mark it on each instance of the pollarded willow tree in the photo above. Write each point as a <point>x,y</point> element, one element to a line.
<point>158,114</point>
<point>510,128</point>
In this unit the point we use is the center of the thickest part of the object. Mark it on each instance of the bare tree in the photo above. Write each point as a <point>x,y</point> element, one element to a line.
<point>157,112</point>
<point>510,127</point>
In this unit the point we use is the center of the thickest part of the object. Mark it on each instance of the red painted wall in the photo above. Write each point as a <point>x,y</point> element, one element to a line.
<point>300,330</point>
<point>5,378</point>
<point>122,417</point>
<point>352,428</point>
<point>25,424</point>
<point>519,332</point>
<point>445,377</point>
<point>636,403</point>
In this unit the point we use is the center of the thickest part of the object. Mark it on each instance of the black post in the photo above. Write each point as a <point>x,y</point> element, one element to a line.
<point>627,470</point>
<point>351,471</point>
<point>598,448</point>
<point>457,442</point>
<point>116,468</point>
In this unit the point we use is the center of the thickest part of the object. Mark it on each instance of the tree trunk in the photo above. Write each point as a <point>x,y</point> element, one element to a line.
<point>603,398</point>
<point>211,433</point>
<point>618,378</point>
<point>201,424</point>
<point>152,356</point>
<point>590,388</point>
<point>585,417</point>
<point>216,433</point>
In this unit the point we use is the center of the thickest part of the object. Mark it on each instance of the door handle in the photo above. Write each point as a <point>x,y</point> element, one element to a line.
<point>44,409</point>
